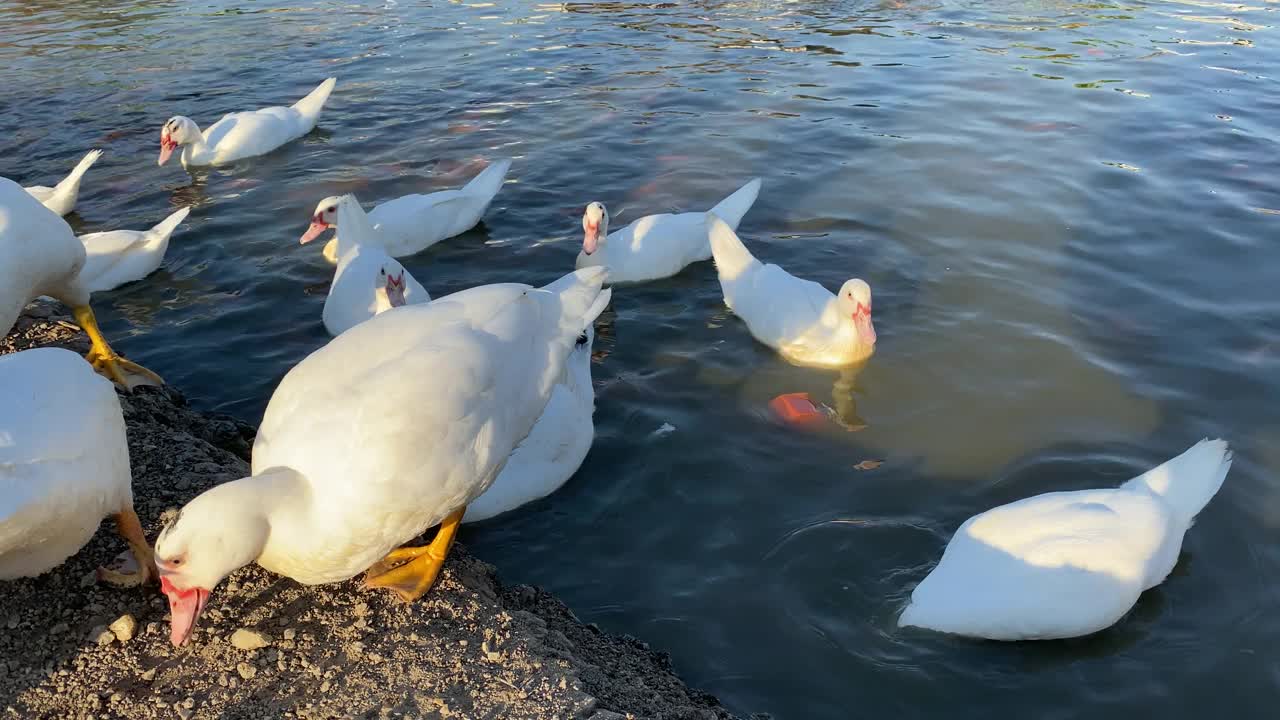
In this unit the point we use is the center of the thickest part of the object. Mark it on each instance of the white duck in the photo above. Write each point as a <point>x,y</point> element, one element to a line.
<point>656,246</point>
<point>409,224</point>
<point>64,465</point>
<point>554,449</point>
<point>352,295</point>
<point>40,255</point>
<point>559,441</point>
<point>1066,564</point>
<point>121,256</point>
<point>799,318</point>
<point>243,134</point>
<point>62,199</point>
<point>391,428</point>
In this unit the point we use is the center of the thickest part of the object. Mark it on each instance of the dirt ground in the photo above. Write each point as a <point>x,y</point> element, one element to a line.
<point>473,648</point>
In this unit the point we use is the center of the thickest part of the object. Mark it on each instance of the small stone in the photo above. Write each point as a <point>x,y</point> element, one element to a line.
<point>124,628</point>
<point>249,640</point>
<point>13,622</point>
<point>362,608</point>
<point>185,713</point>
<point>324,686</point>
<point>246,670</point>
<point>59,628</point>
<point>149,675</point>
<point>463,643</point>
<point>101,635</point>
<point>189,703</point>
<point>290,634</point>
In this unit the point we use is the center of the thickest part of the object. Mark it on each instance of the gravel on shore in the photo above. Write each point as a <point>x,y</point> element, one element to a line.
<point>268,647</point>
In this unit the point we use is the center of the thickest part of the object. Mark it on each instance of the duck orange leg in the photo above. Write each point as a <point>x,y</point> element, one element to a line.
<point>102,357</point>
<point>410,572</point>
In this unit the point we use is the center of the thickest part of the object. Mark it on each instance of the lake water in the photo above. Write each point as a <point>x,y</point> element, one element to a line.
<point>1067,211</point>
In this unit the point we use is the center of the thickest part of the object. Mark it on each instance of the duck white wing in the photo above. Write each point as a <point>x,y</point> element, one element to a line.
<point>777,307</point>
<point>39,254</point>
<point>1066,564</point>
<point>412,223</point>
<point>257,132</point>
<point>122,256</point>
<point>352,295</point>
<point>64,461</point>
<point>62,199</point>
<point>409,416</point>
<point>554,449</point>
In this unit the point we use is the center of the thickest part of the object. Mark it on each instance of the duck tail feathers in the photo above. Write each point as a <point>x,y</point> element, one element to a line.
<point>310,106</point>
<point>732,208</point>
<point>1189,481</point>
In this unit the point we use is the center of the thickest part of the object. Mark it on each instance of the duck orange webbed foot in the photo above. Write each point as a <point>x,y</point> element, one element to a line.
<point>409,572</point>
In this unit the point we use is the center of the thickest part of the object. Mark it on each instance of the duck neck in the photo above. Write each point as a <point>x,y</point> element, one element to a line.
<point>196,149</point>
<point>277,497</point>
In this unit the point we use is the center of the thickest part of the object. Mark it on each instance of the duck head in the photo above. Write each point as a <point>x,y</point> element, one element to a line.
<point>325,217</point>
<point>854,303</point>
<point>213,536</point>
<point>595,227</point>
<point>389,288</point>
<point>177,131</point>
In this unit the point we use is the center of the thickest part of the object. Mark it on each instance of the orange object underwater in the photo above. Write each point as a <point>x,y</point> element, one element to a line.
<point>796,408</point>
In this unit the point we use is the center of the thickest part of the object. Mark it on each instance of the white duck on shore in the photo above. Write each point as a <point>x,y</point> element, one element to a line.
<point>389,429</point>
<point>409,224</point>
<point>1066,564</point>
<point>241,135</point>
<point>62,198</point>
<point>555,448</point>
<point>117,257</point>
<point>40,255</point>
<point>800,319</point>
<point>559,441</point>
<point>353,296</point>
<point>64,465</point>
<point>656,246</point>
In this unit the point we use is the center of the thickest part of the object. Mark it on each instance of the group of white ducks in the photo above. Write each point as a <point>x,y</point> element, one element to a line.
<point>426,412</point>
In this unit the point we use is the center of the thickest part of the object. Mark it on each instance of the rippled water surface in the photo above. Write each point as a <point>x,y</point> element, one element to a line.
<point>1066,210</point>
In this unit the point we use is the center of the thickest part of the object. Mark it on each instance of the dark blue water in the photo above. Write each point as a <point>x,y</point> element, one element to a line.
<point>1066,210</point>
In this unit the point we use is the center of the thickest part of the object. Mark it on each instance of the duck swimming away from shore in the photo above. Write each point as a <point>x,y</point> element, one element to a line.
<point>391,428</point>
<point>241,135</point>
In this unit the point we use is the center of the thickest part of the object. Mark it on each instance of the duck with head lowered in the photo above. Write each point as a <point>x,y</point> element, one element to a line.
<point>391,428</point>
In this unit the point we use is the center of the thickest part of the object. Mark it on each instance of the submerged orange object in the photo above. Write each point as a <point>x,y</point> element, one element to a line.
<point>796,408</point>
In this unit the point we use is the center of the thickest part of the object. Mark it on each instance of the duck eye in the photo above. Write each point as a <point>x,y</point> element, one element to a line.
<point>331,209</point>
<point>177,561</point>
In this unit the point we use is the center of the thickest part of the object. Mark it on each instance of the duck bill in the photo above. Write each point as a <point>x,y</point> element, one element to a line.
<point>314,230</point>
<point>866,331</point>
<point>167,146</point>
<point>185,607</point>
<point>590,238</point>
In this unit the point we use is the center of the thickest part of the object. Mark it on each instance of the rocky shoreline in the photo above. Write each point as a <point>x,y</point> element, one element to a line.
<point>268,647</point>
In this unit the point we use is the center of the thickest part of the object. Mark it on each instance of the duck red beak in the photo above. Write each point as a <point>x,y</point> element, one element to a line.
<point>591,236</point>
<point>314,230</point>
<point>862,322</point>
<point>167,146</point>
<point>185,607</point>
